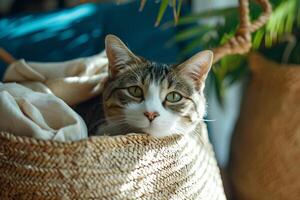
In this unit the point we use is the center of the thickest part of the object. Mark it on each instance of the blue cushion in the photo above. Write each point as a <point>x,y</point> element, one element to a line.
<point>80,31</point>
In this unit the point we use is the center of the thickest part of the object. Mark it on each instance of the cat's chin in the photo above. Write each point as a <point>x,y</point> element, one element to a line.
<point>157,133</point>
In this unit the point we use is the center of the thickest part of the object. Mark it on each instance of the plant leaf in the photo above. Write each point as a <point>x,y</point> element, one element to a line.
<point>161,12</point>
<point>190,32</point>
<point>195,17</point>
<point>179,9</point>
<point>142,5</point>
<point>207,14</point>
<point>258,38</point>
<point>219,87</point>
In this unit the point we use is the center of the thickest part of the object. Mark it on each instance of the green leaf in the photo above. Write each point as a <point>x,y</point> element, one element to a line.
<point>197,43</point>
<point>142,5</point>
<point>190,32</point>
<point>161,12</point>
<point>232,68</point>
<point>237,74</point>
<point>179,8</point>
<point>207,14</point>
<point>176,10</point>
<point>282,21</point>
<point>219,87</point>
<point>191,46</point>
<point>195,17</point>
<point>258,38</point>
<point>298,13</point>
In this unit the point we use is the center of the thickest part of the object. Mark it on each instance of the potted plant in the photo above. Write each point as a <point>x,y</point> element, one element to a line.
<point>265,149</point>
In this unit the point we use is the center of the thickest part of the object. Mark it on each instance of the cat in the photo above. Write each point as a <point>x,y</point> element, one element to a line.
<point>141,96</point>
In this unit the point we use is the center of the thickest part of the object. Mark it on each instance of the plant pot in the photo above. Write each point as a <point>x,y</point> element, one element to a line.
<point>265,154</point>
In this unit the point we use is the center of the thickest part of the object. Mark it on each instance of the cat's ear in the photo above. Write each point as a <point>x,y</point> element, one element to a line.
<point>196,68</point>
<point>118,55</point>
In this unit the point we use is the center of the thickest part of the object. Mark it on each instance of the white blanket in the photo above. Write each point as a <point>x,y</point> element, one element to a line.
<point>36,106</point>
<point>73,81</point>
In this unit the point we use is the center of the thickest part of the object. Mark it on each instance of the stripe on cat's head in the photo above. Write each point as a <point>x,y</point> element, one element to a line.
<point>158,99</point>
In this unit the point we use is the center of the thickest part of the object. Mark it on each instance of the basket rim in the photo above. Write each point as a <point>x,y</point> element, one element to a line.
<point>111,141</point>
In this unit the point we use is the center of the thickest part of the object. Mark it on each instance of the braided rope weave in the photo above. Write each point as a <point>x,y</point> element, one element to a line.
<point>241,42</point>
<point>121,167</point>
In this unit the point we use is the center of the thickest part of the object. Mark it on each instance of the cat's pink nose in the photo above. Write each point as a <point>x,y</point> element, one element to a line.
<point>151,115</point>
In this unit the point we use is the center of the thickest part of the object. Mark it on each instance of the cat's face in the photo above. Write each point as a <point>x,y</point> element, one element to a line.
<point>154,98</point>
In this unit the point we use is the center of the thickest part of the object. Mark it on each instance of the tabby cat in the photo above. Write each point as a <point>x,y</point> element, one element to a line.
<point>142,96</point>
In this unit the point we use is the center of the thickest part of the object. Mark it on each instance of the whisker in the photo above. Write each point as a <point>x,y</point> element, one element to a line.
<point>208,120</point>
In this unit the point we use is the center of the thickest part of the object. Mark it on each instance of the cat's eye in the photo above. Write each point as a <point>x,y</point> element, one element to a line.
<point>173,97</point>
<point>135,91</point>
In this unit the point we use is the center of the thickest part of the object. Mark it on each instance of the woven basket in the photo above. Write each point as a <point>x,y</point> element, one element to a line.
<point>121,167</point>
<point>265,157</point>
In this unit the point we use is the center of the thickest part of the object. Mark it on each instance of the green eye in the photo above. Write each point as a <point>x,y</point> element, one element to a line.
<point>173,97</point>
<point>135,91</point>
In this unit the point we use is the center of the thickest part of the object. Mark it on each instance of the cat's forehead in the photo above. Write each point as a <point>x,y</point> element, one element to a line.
<point>145,72</point>
<point>148,73</point>
<point>156,71</point>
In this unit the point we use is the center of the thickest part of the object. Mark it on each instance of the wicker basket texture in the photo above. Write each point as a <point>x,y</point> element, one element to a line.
<point>121,167</point>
